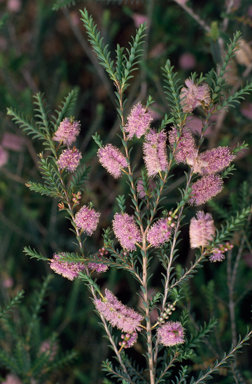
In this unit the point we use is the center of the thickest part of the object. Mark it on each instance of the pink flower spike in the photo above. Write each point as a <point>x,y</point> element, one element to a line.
<point>140,19</point>
<point>118,314</point>
<point>13,142</point>
<point>4,155</point>
<point>171,333</point>
<point>155,154</point>
<point>67,132</point>
<point>159,233</point>
<point>138,121</point>
<point>87,220</point>
<point>69,159</point>
<point>185,148</point>
<point>216,160</point>
<point>201,230</point>
<point>205,188</point>
<point>194,95</point>
<point>126,231</point>
<point>70,270</point>
<point>187,61</point>
<point>12,379</point>
<point>112,160</point>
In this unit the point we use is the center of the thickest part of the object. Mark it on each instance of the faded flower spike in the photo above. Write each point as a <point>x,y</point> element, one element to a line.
<point>215,160</point>
<point>160,232</point>
<point>126,231</point>
<point>138,121</point>
<point>112,159</point>
<point>64,268</point>
<point>201,230</point>
<point>194,95</point>
<point>67,132</point>
<point>87,219</point>
<point>155,155</point>
<point>118,314</point>
<point>185,148</point>
<point>171,333</point>
<point>69,159</point>
<point>205,188</point>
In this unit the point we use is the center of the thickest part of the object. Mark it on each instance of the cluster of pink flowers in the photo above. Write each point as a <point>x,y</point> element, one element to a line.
<point>112,160</point>
<point>126,231</point>
<point>194,95</point>
<point>155,154</point>
<point>70,270</point>
<point>171,333</point>
<point>207,164</point>
<point>87,219</point>
<point>218,253</point>
<point>99,267</point>
<point>69,159</point>
<point>67,132</point>
<point>160,232</point>
<point>201,230</point>
<point>138,122</point>
<point>118,314</point>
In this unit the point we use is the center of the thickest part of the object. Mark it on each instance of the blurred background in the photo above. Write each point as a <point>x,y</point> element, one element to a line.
<point>44,48</point>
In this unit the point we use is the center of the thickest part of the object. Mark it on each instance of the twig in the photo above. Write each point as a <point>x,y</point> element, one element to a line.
<point>194,15</point>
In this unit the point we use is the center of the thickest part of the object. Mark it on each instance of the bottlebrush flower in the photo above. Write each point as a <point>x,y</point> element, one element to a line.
<point>185,148</point>
<point>194,95</point>
<point>171,333</point>
<point>155,155</point>
<point>112,159</point>
<point>216,159</point>
<point>118,314</point>
<point>126,231</point>
<point>70,270</point>
<point>87,219</point>
<point>69,159</point>
<point>160,232</point>
<point>201,230</point>
<point>138,121</point>
<point>67,132</point>
<point>205,188</point>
